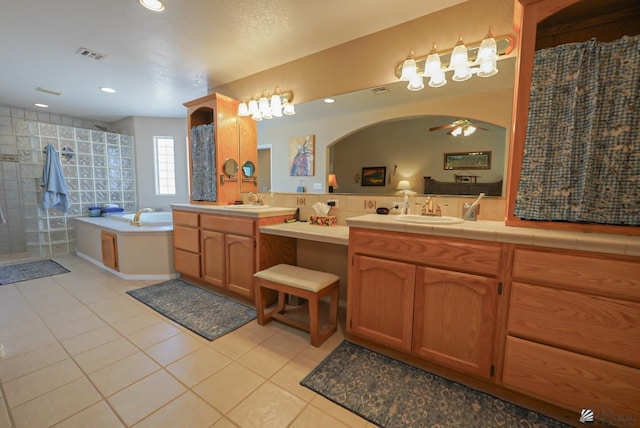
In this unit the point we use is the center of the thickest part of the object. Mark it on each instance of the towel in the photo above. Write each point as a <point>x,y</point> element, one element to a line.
<point>55,193</point>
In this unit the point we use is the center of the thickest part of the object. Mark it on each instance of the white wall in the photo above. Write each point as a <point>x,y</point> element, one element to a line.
<point>144,129</point>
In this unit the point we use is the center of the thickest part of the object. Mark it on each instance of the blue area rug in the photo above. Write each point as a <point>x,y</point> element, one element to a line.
<point>30,270</point>
<point>206,314</point>
<point>390,393</point>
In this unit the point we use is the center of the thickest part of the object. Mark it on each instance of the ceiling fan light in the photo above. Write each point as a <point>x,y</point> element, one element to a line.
<point>456,131</point>
<point>468,130</point>
<point>409,68</point>
<point>416,83</point>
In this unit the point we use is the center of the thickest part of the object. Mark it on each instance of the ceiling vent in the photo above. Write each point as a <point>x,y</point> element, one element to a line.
<point>380,90</point>
<point>90,54</point>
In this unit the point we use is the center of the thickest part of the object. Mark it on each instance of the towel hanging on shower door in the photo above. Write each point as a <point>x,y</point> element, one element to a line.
<point>55,193</point>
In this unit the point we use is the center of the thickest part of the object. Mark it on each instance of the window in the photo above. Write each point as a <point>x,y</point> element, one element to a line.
<point>165,166</point>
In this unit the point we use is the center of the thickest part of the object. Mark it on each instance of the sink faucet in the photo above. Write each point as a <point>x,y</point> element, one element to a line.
<point>136,218</point>
<point>255,199</point>
<point>428,209</point>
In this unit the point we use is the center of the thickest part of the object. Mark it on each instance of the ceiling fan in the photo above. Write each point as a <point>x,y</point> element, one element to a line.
<point>462,127</point>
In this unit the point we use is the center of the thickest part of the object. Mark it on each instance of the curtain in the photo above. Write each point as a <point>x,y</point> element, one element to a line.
<point>582,150</point>
<point>203,163</point>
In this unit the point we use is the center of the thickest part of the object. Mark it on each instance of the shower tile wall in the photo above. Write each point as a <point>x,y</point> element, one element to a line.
<point>100,170</point>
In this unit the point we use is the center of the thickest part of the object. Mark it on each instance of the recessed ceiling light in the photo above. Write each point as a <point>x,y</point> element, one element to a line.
<point>154,5</point>
<point>329,100</point>
<point>108,90</point>
<point>40,105</point>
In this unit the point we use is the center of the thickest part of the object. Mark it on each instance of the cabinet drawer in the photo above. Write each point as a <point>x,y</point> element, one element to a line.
<point>600,326</point>
<point>457,254</point>
<point>571,380</point>
<point>186,238</point>
<point>591,273</point>
<point>234,225</point>
<point>187,263</point>
<point>185,218</point>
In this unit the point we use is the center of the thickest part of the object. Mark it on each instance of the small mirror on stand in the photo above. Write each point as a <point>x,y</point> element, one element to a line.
<point>230,170</point>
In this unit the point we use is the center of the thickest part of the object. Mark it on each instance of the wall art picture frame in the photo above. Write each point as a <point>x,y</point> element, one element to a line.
<point>467,160</point>
<point>302,156</point>
<point>374,175</point>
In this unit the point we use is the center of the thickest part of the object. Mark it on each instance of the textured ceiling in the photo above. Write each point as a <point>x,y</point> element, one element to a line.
<point>157,61</point>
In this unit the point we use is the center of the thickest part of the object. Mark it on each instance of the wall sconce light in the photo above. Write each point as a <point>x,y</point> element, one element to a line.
<point>267,105</point>
<point>479,58</point>
<point>332,183</point>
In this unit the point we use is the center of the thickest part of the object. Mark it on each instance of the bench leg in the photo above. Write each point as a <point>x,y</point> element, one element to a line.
<point>261,298</point>
<point>314,321</point>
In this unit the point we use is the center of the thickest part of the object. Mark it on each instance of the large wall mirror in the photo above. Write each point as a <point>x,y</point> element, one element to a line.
<point>389,127</point>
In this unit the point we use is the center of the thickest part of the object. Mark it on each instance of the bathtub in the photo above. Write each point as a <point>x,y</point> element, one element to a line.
<point>144,252</point>
<point>160,218</point>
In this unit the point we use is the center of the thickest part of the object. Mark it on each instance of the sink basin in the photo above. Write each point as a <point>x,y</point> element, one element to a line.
<point>246,207</point>
<point>426,219</point>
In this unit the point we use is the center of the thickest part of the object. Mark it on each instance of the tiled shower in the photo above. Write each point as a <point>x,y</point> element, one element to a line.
<point>98,166</point>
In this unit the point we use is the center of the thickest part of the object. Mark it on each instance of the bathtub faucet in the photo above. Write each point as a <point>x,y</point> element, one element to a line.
<point>136,218</point>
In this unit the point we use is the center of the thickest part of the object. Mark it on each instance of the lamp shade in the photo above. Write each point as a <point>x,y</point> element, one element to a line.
<point>404,185</point>
<point>332,182</point>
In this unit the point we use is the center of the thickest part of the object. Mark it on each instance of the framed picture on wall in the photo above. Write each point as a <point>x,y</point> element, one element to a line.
<point>467,160</point>
<point>301,155</point>
<point>374,175</point>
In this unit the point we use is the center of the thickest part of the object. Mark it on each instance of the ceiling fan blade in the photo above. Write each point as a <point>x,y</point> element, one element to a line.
<point>480,128</point>
<point>447,126</point>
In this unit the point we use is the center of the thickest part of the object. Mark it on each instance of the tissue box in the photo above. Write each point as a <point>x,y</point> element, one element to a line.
<point>323,220</point>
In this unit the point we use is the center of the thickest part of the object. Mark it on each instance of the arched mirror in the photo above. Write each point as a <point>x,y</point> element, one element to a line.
<point>248,169</point>
<point>230,167</point>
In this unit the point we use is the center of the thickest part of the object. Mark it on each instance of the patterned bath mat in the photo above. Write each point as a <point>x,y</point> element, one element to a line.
<point>30,270</point>
<point>390,393</point>
<point>201,311</point>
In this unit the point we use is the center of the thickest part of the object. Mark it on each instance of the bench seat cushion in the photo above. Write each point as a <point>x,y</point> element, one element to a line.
<point>294,276</point>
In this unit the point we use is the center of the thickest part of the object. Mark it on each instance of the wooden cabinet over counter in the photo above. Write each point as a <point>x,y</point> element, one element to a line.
<point>225,250</point>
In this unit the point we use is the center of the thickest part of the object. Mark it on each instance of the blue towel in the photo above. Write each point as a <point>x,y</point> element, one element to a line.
<point>54,186</point>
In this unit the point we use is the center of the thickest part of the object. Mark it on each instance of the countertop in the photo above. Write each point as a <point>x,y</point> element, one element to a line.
<point>486,230</point>
<point>311,232</point>
<point>252,211</point>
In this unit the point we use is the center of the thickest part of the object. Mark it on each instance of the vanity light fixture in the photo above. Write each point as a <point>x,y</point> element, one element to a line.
<point>267,105</point>
<point>153,5</point>
<point>41,105</point>
<point>464,60</point>
<point>108,90</point>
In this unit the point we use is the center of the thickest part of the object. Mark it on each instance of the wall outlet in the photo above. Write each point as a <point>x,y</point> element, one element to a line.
<point>334,201</point>
<point>369,205</point>
<point>300,202</point>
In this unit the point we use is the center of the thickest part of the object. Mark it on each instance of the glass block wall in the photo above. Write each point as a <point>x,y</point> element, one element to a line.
<point>99,169</point>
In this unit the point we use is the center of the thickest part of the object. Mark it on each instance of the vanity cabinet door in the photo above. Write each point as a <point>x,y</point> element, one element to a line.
<point>454,319</point>
<point>212,250</point>
<point>380,301</point>
<point>239,254</point>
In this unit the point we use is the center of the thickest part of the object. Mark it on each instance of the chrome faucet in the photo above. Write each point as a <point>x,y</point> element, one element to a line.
<point>136,218</point>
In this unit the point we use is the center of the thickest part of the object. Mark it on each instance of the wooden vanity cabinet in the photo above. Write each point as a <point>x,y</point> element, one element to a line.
<point>573,331</point>
<point>186,243</point>
<point>229,252</point>
<point>433,297</point>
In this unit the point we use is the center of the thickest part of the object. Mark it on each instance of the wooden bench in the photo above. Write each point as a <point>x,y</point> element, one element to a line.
<point>303,283</point>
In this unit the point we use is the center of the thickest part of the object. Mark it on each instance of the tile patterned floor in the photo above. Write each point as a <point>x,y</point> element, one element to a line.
<point>80,353</point>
